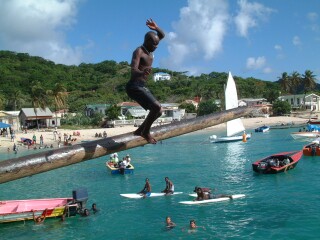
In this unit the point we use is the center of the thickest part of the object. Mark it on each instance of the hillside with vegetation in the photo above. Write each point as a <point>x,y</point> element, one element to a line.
<point>30,81</point>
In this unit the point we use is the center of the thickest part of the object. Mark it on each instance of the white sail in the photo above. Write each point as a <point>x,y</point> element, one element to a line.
<point>231,99</point>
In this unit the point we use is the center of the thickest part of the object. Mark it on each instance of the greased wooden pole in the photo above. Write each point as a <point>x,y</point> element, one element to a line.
<point>29,165</point>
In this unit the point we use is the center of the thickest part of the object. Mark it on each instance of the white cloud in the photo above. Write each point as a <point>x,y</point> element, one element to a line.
<point>312,16</point>
<point>267,70</point>
<point>278,47</point>
<point>249,16</point>
<point>199,33</point>
<point>296,41</point>
<point>37,27</point>
<point>279,52</point>
<point>256,63</point>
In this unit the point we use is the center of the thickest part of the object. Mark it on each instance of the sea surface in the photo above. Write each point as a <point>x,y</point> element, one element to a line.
<point>280,206</point>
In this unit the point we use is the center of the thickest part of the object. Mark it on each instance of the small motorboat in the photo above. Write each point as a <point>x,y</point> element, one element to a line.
<point>277,163</point>
<point>262,129</point>
<point>21,210</point>
<point>119,169</point>
<point>312,149</point>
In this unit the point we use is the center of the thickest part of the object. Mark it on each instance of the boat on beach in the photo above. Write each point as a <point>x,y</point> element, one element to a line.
<point>235,126</point>
<point>22,210</point>
<point>277,163</point>
<point>262,129</point>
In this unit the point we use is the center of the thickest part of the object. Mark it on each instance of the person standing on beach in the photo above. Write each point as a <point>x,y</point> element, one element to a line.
<point>141,63</point>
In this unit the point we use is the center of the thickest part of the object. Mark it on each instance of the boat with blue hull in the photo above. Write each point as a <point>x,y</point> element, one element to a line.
<point>262,129</point>
<point>116,169</point>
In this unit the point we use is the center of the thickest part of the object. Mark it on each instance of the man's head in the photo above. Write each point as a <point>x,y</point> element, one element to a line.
<point>151,41</point>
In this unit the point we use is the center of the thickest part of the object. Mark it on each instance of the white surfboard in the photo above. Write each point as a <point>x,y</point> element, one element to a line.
<point>136,195</point>
<point>211,200</point>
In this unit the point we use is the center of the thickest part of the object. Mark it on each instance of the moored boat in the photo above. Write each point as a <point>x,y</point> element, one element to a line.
<point>262,129</point>
<point>21,210</point>
<point>312,149</point>
<point>235,128</point>
<point>277,163</point>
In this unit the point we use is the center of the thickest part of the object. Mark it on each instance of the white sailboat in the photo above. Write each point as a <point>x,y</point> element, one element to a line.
<point>234,126</point>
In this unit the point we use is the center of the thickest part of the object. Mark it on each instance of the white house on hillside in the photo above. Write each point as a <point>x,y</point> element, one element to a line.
<point>160,76</point>
<point>310,101</point>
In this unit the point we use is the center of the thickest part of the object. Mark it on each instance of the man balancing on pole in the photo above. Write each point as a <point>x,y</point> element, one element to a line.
<point>141,62</point>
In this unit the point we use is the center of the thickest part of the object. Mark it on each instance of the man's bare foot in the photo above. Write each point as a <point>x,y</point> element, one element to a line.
<point>147,137</point>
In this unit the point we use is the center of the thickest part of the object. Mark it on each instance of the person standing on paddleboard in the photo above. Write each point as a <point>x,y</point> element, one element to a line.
<point>141,62</point>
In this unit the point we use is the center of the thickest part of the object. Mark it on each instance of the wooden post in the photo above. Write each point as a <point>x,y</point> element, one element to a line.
<point>16,168</point>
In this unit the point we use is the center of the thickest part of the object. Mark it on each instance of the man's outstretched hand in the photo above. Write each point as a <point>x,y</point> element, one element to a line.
<point>151,24</point>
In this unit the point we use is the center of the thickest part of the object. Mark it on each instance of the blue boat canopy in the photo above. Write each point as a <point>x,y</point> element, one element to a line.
<point>4,125</point>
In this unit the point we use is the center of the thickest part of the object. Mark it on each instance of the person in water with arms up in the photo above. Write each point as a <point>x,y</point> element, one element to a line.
<point>141,63</point>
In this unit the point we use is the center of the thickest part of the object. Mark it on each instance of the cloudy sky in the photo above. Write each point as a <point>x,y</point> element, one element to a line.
<point>260,39</point>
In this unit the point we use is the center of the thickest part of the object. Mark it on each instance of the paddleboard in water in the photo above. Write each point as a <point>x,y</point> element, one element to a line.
<point>136,195</point>
<point>211,200</point>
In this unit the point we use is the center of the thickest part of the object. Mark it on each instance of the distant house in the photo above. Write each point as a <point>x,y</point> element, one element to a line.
<point>136,112</point>
<point>262,103</point>
<point>12,118</point>
<point>90,109</point>
<point>29,117</point>
<point>160,76</point>
<point>298,101</point>
<point>252,101</point>
<point>131,108</point>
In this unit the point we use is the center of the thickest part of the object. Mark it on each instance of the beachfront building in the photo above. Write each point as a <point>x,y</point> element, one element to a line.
<point>12,118</point>
<point>90,109</point>
<point>263,107</point>
<point>33,118</point>
<point>303,101</point>
<point>161,76</point>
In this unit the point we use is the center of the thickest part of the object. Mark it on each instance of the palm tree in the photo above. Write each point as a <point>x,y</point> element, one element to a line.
<point>39,99</point>
<point>295,80</point>
<point>59,95</point>
<point>309,82</point>
<point>16,99</point>
<point>285,82</point>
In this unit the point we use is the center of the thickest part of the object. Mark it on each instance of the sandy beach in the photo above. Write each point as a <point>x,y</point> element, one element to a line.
<point>6,145</point>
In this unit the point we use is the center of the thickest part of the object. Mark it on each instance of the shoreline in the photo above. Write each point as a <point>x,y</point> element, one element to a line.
<point>89,134</point>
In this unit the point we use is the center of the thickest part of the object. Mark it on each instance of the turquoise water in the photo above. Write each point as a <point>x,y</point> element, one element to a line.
<point>281,206</point>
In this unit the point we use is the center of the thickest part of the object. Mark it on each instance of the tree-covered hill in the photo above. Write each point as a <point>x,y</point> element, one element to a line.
<point>104,82</point>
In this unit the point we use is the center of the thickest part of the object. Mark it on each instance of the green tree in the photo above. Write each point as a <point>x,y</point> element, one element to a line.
<point>113,112</point>
<point>280,108</point>
<point>207,107</point>
<point>59,95</point>
<point>189,107</point>
<point>97,118</point>
<point>16,99</point>
<point>295,81</point>
<point>285,82</point>
<point>309,80</point>
<point>2,101</point>
<point>39,99</point>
